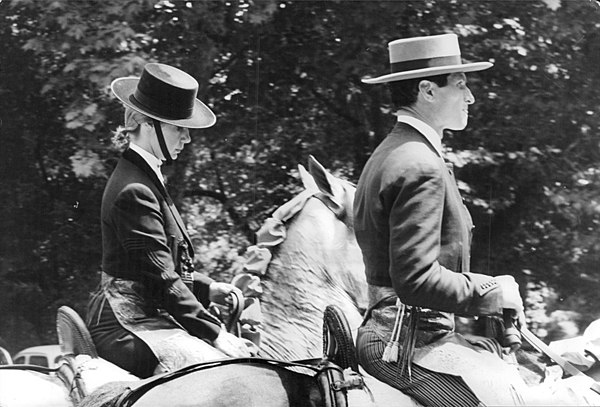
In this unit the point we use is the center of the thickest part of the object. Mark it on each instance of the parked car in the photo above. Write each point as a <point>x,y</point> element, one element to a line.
<point>44,355</point>
<point>5,358</point>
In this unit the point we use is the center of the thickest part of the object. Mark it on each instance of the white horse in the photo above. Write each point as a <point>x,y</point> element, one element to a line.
<point>315,263</point>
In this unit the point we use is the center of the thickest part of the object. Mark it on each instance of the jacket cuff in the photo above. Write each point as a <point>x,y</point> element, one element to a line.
<point>213,327</point>
<point>487,296</point>
<point>202,288</point>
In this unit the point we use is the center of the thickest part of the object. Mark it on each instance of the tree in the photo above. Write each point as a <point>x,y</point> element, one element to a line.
<point>284,80</point>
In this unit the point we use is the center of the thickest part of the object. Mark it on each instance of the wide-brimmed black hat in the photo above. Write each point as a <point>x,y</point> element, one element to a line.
<point>167,94</point>
<point>420,57</point>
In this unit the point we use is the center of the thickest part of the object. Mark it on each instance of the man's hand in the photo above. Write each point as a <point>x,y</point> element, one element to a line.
<point>219,293</point>
<point>511,298</point>
<point>233,346</point>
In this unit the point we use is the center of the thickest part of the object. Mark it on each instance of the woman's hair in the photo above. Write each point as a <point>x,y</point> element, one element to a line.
<point>404,93</point>
<point>132,121</point>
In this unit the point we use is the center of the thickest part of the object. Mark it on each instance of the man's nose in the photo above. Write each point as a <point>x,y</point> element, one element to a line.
<point>469,98</point>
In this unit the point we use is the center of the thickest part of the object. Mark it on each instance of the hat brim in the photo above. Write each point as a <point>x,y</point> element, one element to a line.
<point>425,72</point>
<point>202,117</point>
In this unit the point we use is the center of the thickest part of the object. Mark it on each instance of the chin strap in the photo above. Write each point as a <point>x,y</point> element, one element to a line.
<point>161,142</point>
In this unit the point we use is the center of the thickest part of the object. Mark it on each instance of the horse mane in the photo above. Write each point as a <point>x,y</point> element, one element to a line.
<point>105,396</point>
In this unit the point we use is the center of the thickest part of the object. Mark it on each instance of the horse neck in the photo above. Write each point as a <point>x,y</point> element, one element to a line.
<point>321,247</point>
<point>293,303</point>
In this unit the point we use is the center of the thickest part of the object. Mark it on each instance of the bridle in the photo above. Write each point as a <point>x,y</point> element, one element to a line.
<point>338,209</point>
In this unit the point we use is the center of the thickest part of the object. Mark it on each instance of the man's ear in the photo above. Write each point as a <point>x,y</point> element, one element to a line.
<point>426,89</point>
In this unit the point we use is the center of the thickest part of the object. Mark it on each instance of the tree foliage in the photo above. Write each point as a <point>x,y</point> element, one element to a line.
<point>283,77</point>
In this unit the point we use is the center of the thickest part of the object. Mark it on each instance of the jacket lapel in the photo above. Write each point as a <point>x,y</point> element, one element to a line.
<point>139,162</point>
<point>181,225</point>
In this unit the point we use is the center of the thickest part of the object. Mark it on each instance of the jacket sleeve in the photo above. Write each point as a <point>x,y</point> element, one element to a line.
<point>415,202</point>
<point>138,221</point>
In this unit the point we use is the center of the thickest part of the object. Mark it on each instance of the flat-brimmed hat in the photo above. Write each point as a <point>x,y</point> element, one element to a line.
<point>420,57</point>
<point>167,94</point>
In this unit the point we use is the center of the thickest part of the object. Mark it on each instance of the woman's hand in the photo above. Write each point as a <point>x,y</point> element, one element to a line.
<point>233,346</point>
<point>219,293</point>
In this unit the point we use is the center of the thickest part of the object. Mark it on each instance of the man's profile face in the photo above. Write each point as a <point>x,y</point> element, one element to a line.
<point>452,102</point>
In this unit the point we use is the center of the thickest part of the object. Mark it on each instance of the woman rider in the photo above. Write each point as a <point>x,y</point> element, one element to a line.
<point>149,314</point>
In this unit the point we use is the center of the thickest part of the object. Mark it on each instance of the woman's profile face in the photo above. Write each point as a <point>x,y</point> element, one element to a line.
<point>175,138</point>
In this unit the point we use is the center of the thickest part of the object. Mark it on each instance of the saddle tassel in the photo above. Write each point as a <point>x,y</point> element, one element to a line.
<point>390,354</point>
<point>410,340</point>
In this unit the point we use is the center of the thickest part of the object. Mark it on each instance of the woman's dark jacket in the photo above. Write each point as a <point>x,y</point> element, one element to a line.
<point>148,277</point>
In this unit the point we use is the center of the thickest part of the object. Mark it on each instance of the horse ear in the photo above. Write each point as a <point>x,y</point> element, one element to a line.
<point>323,179</point>
<point>307,180</point>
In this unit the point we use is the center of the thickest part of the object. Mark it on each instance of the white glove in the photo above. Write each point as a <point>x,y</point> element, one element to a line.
<point>233,346</point>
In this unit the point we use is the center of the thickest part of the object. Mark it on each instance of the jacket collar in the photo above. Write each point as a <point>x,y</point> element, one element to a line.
<point>136,159</point>
<point>426,130</point>
<point>154,162</point>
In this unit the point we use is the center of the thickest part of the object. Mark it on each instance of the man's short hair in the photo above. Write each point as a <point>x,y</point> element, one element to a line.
<point>404,93</point>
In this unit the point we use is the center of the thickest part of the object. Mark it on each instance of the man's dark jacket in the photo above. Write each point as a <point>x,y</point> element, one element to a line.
<point>414,230</point>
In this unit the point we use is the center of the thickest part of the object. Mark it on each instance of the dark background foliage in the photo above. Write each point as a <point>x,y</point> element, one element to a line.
<point>284,80</point>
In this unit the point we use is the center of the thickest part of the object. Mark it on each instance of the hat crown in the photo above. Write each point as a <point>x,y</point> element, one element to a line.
<point>165,91</point>
<point>171,75</point>
<point>424,52</point>
<point>409,49</point>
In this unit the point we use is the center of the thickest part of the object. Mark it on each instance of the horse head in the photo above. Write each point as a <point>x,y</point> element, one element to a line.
<point>316,262</point>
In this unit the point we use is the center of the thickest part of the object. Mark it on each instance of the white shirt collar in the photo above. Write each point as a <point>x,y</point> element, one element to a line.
<point>425,129</point>
<point>150,159</point>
